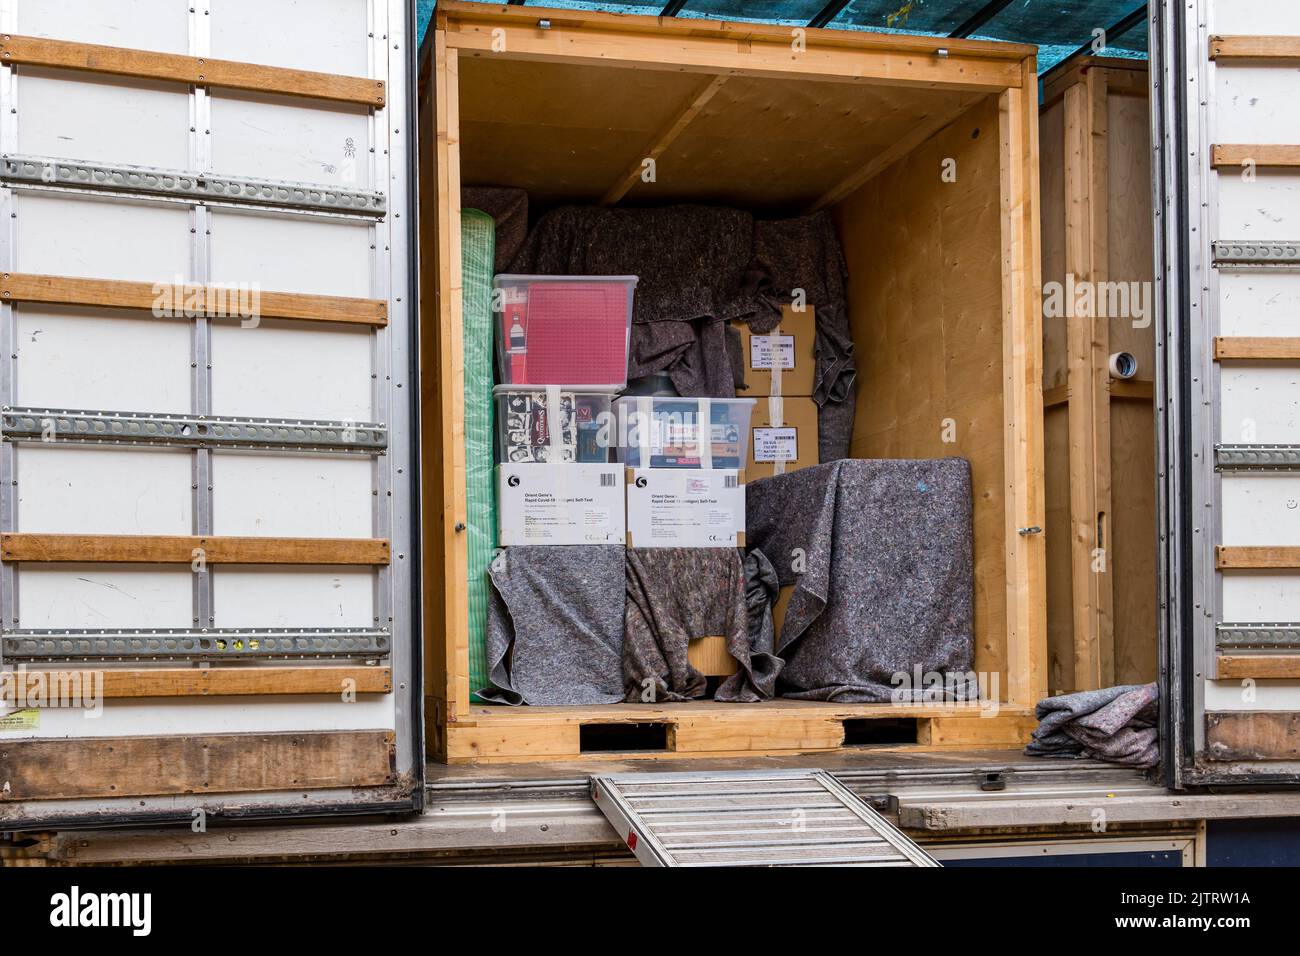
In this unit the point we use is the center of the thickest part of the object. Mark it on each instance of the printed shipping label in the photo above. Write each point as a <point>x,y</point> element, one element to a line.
<point>771,351</point>
<point>776,444</point>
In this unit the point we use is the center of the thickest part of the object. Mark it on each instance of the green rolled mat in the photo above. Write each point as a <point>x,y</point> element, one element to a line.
<point>477,243</point>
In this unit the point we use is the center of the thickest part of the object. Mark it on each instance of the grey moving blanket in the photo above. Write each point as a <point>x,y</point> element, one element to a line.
<point>880,556</point>
<point>1114,723</point>
<point>675,594</point>
<point>555,625</point>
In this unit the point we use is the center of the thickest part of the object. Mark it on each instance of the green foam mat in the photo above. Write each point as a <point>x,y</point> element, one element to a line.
<point>478,251</point>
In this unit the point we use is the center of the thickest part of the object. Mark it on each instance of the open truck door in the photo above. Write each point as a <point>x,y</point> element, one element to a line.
<point>206,472</point>
<point>1228,239</point>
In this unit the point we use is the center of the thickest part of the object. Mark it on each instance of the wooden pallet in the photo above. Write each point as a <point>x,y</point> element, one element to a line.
<point>494,734</point>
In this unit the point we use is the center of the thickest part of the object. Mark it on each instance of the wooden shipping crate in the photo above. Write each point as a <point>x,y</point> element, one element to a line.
<point>926,153</point>
<point>1099,429</point>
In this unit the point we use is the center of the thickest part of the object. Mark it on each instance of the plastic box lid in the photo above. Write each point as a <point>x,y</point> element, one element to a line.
<point>556,329</point>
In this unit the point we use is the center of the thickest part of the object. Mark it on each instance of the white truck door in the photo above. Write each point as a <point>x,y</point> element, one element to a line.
<point>1229,184</point>
<point>206,595</point>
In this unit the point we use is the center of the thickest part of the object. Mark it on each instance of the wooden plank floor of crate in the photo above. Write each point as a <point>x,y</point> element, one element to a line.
<point>706,728</point>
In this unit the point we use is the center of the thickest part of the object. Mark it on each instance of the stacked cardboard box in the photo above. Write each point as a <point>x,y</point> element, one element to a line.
<point>780,372</point>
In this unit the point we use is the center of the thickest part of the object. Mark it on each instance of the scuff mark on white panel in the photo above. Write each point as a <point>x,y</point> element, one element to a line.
<point>329,36</point>
<point>1266,208</point>
<point>1259,302</point>
<point>101,238</point>
<point>1257,104</point>
<point>306,254</point>
<point>82,116</point>
<point>308,496</point>
<point>1261,510</point>
<point>158,25</point>
<point>294,597</point>
<point>262,372</point>
<point>73,358</point>
<point>78,489</point>
<point>104,595</point>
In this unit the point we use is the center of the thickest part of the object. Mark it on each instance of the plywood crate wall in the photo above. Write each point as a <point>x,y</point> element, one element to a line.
<point>943,298</point>
<point>1099,429</point>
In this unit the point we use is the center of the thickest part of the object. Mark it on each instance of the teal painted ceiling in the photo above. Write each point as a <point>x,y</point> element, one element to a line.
<point>1058,27</point>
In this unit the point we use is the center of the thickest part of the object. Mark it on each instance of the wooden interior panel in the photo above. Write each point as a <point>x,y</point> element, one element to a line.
<point>1052,172</point>
<point>564,132</point>
<point>572,132</point>
<point>925,302</point>
<point>1060,587</point>
<point>1110,234</point>
<point>781,144</point>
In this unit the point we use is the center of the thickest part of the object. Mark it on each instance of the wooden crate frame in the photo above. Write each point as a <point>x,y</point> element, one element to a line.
<point>1099,432</point>
<point>463,732</point>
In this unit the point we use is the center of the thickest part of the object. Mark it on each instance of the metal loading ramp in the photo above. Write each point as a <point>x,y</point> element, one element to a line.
<point>750,818</point>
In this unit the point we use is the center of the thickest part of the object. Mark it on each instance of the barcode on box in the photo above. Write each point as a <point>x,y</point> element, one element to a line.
<point>730,481</point>
<point>607,481</point>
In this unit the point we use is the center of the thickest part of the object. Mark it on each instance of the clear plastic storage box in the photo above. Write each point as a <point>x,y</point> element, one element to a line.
<point>563,329</point>
<point>525,414</point>
<point>666,432</point>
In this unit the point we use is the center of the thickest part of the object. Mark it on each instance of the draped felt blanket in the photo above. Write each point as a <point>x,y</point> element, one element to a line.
<point>676,594</point>
<point>879,553</point>
<point>555,625</point>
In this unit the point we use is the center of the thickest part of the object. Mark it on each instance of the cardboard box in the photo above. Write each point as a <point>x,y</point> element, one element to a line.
<point>783,362</point>
<point>698,508</point>
<point>572,503</point>
<point>782,436</point>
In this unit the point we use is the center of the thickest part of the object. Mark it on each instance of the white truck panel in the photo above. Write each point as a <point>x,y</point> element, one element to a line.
<point>277,137</point>
<point>312,255</point>
<point>162,26</point>
<point>1257,17</point>
<point>166,716</point>
<point>1261,510</point>
<point>71,489</point>
<point>1260,404</point>
<point>323,32</point>
<point>1267,207</point>
<point>255,371</point>
<point>1258,303</point>
<point>100,238</point>
<point>68,115</point>
<point>135,363</point>
<point>1255,105</point>
<point>293,597</point>
<point>309,496</point>
<point>70,357</point>
<point>104,595</point>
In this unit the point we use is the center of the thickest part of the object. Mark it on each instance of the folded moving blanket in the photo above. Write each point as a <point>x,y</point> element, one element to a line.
<point>555,625</point>
<point>1117,724</point>
<point>880,556</point>
<point>676,594</point>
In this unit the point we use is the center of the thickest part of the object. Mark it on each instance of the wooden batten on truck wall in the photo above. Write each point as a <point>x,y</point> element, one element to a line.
<point>943,298</point>
<point>1099,430</point>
